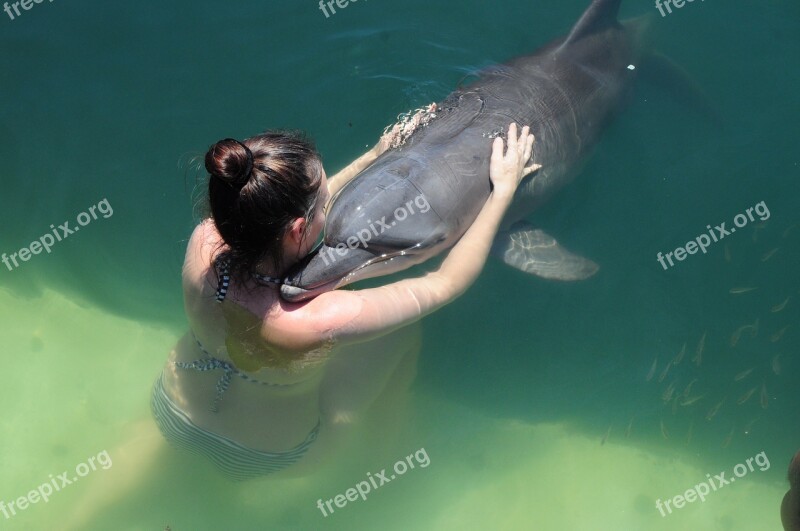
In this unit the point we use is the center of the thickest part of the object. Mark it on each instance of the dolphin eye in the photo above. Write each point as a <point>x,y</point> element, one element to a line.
<point>401,169</point>
<point>400,172</point>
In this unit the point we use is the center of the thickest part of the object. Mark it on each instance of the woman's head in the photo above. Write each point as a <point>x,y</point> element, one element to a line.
<point>266,196</point>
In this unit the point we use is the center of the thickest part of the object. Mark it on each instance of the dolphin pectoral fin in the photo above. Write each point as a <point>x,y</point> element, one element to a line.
<point>533,251</point>
<point>660,70</point>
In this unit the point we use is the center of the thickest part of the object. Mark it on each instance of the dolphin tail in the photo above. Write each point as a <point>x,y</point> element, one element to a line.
<point>535,252</point>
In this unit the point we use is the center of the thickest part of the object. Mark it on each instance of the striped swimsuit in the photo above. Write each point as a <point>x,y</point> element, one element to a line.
<point>234,460</point>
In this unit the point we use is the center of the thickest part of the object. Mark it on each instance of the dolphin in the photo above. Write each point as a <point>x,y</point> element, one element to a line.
<point>418,199</point>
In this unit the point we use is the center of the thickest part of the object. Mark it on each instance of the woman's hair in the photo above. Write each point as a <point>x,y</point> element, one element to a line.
<point>256,188</point>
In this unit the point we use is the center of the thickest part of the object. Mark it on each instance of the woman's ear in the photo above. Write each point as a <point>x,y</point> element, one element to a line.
<point>297,231</point>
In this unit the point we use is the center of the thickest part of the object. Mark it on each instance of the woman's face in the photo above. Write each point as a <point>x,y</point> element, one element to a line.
<point>318,221</point>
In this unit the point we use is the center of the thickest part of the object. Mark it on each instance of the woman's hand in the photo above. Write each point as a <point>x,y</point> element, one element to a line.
<point>507,170</point>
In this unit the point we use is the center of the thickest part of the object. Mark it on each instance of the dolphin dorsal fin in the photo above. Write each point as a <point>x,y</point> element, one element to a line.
<point>601,14</point>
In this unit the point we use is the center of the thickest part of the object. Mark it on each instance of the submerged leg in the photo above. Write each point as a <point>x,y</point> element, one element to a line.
<point>132,462</point>
<point>356,377</point>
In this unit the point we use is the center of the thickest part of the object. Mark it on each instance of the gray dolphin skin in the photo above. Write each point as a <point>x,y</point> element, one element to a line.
<point>418,199</point>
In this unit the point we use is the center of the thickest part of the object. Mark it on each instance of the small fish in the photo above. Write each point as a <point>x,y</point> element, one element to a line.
<point>679,356</point>
<point>739,291</point>
<point>691,400</point>
<point>664,432</point>
<point>605,437</point>
<point>652,370</point>
<point>714,410</point>
<point>698,357</point>
<point>764,398</point>
<point>738,333</point>
<point>742,375</point>
<point>776,364</point>
<point>630,428</point>
<point>745,397</point>
<point>781,306</point>
<point>779,334</point>
<point>729,438</point>
<point>769,254</point>
<point>666,396</point>
<point>727,253</point>
<point>664,372</point>
<point>688,388</point>
<point>788,230</point>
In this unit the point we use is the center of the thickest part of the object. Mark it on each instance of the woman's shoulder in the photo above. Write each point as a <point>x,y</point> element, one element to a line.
<point>205,240</point>
<point>295,327</point>
<point>203,245</point>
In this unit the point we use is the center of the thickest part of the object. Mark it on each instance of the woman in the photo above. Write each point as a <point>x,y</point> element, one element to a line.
<point>245,386</point>
<point>790,507</point>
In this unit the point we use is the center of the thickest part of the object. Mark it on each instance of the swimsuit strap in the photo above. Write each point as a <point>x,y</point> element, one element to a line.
<point>211,363</point>
<point>224,279</point>
<point>267,280</point>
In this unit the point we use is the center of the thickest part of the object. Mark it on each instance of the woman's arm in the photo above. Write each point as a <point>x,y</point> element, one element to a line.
<point>353,316</point>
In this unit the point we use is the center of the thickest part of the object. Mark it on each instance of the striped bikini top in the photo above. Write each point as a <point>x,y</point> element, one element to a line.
<point>223,268</point>
<point>210,363</point>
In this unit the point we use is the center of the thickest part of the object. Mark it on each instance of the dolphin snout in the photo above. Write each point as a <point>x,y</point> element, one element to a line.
<point>322,271</point>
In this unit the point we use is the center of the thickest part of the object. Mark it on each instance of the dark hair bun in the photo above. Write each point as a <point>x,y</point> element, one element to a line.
<point>231,161</point>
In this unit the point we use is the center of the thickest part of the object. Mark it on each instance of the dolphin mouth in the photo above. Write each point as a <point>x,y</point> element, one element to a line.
<point>316,274</point>
<point>292,293</point>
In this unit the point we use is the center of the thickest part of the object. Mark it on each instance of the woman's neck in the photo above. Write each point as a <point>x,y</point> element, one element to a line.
<point>268,268</point>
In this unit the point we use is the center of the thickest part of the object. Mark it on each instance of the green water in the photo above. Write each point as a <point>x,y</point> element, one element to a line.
<point>531,397</point>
